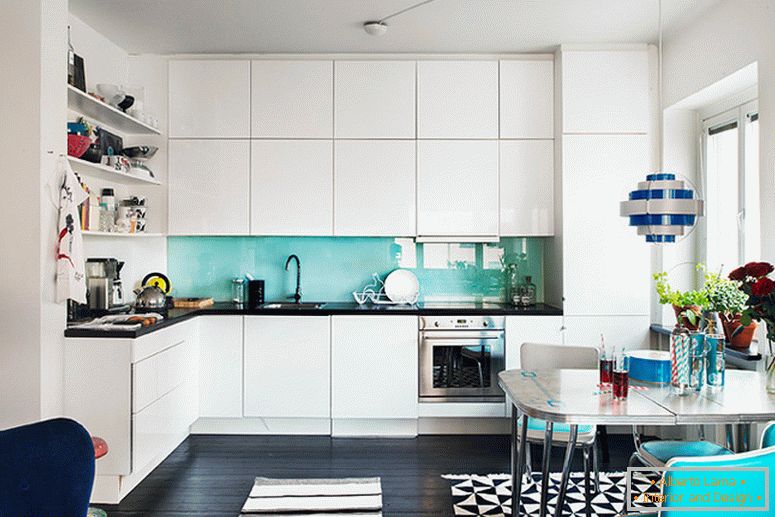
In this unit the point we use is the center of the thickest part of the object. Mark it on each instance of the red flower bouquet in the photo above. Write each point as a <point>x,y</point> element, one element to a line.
<point>760,289</point>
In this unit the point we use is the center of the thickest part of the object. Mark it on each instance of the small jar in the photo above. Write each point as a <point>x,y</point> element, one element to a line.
<point>238,290</point>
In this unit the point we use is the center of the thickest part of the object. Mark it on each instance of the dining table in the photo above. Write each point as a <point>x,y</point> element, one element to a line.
<point>575,397</point>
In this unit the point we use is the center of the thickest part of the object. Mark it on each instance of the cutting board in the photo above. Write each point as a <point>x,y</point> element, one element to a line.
<point>192,303</point>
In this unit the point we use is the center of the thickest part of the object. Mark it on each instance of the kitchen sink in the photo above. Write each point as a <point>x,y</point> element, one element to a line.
<point>291,305</point>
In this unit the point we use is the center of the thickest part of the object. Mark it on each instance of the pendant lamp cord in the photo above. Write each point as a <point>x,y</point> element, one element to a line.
<point>402,11</point>
<point>660,109</point>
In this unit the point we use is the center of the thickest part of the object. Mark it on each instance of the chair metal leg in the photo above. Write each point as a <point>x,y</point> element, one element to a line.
<point>529,460</point>
<point>587,479</point>
<point>701,432</point>
<point>572,436</point>
<point>730,437</point>
<point>596,466</point>
<point>518,445</point>
<point>545,479</point>
<point>602,433</point>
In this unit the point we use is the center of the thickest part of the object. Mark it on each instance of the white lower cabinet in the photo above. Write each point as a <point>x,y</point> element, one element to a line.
<point>287,366</point>
<point>631,332</point>
<point>374,369</point>
<point>530,329</point>
<point>220,375</point>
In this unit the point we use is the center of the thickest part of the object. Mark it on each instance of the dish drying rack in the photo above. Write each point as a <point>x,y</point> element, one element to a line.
<point>374,292</point>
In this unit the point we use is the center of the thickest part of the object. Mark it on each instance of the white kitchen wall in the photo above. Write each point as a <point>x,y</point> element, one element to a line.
<point>728,37</point>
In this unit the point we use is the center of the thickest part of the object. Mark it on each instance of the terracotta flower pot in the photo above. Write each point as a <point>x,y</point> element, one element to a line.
<point>683,321</point>
<point>743,338</point>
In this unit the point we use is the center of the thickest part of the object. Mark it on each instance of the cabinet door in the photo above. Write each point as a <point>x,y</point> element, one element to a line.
<point>606,264</point>
<point>209,99</point>
<point>374,367</point>
<point>220,373</point>
<point>209,187</point>
<point>457,188</point>
<point>287,366</point>
<point>605,91</point>
<point>530,329</point>
<point>457,99</point>
<point>631,332</point>
<point>527,99</point>
<point>375,187</point>
<point>375,99</point>
<point>292,99</point>
<point>292,187</point>
<point>526,187</point>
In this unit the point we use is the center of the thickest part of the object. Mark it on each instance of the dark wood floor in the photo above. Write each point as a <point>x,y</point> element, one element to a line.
<point>212,475</point>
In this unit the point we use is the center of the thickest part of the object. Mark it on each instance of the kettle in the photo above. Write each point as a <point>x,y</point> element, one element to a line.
<point>153,295</point>
<point>150,297</point>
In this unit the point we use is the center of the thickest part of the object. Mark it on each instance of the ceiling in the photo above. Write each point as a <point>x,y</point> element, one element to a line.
<point>319,26</point>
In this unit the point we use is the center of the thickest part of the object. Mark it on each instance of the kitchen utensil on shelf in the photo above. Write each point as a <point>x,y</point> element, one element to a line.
<point>126,103</point>
<point>112,93</point>
<point>150,297</point>
<point>77,145</point>
<point>137,157</point>
<point>110,143</point>
<point>238,290</point>
<point>402,286</point>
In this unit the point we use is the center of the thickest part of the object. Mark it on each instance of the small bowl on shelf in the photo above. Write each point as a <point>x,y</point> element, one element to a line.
<point>77,145</point>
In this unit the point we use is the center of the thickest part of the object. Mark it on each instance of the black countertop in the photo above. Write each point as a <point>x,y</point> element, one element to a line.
<point>329,309</point>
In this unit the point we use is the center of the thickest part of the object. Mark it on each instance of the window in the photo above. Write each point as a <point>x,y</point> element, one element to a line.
<point>731,174</point>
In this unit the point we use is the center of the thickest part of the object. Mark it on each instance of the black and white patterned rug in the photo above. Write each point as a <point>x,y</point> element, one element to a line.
<point>490,494</point>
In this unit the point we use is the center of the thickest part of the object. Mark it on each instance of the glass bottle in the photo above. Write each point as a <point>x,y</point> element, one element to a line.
<point>512,287</point>
<point>527,293</point>
<point>714,346</point>
<point>680,360</point>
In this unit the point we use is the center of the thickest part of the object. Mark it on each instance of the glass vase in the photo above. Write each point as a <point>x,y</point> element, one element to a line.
<point>769,373</point>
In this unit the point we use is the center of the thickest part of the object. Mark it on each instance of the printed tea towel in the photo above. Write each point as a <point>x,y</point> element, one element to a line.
<point>68,193</point>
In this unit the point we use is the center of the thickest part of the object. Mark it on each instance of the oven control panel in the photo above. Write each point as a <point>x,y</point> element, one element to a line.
<point>462,322</point>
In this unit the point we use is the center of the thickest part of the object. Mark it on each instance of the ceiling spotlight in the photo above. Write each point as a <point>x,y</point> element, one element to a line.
<point>375,28</point>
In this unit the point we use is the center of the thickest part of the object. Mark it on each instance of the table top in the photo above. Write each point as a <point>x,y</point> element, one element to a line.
<point>574,397</point>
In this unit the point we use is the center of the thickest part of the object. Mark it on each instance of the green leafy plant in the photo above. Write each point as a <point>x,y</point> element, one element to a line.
<point>724,295</point>
<point>690,301</point>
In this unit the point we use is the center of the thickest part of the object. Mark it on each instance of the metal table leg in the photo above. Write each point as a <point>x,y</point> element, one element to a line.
<point>730,437</point>
<point>743,438</point>
<point>517,458</point>
<point>546,481</point>
<point>574,431</point>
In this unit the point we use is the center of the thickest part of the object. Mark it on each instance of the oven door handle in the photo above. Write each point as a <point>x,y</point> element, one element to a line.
<point>462,343</point>
<point>455,335</point>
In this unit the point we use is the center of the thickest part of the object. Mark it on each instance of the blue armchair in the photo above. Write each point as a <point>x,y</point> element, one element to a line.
<point>46,470</point>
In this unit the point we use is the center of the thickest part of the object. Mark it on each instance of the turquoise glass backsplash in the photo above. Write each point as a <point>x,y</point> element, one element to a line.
<point>333,267</point>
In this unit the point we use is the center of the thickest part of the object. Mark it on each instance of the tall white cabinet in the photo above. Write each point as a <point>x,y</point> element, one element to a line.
<point>607,147</point>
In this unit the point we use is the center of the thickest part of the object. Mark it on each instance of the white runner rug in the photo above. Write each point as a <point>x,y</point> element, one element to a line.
<point>348,497</point>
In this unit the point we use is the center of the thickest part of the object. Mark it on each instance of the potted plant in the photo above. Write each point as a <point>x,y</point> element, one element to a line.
<point>760,290</point>
<point>687,305</point>
<point>725,297</point>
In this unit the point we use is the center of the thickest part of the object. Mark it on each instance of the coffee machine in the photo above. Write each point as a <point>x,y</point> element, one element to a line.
<point>103,285</point>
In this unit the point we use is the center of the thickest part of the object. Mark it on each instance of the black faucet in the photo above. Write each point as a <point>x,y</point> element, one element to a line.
<point>297,294</point>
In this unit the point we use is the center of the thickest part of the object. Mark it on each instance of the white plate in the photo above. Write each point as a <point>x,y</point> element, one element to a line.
<point>402,286</point>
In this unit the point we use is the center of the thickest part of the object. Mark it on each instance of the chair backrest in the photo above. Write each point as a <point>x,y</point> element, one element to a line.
<point>46,469</point>
<point>768,436</point>
<point>542,356</point>
<point>759,458</point>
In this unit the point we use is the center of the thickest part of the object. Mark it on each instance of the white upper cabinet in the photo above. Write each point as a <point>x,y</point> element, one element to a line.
<point>605,91</point>
<point>606,265</point>
<point>287,366</point>
<point>527,99</point>
<point>526,187</point>
<point>209,99</point>
<point>375,99</point>
<point>291,187</point>
<point>292,99</point>
<point>457,188</point>
<point>209,187</point>
<point>375,188</point>
<point>457,99</point>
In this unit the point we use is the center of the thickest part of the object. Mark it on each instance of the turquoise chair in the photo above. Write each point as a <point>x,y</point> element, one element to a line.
<point>541,356</point>
<point>658,453</point>
<point>759,458</point>
<point>768,436</point>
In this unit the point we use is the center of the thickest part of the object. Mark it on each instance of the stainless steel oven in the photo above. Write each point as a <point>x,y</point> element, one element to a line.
<point>460,357</point>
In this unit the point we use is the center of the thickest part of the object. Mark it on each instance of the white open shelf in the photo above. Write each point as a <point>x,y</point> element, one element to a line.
<point>121,235</point>
<point>93,108</point>
<point>108,173</point>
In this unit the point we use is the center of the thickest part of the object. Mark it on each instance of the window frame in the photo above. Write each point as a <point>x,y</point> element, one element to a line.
<point>740,115</point>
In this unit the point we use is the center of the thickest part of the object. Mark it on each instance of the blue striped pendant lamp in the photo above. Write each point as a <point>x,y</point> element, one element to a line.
<point>662,208</point>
